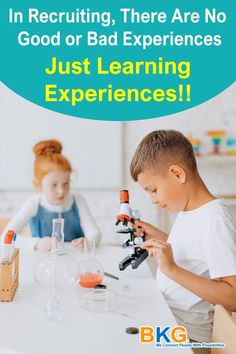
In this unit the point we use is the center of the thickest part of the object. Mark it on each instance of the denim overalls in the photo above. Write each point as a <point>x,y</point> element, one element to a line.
<point>41,223</point>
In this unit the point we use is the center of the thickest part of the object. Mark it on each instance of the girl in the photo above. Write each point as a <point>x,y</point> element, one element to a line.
<point>52,173</point>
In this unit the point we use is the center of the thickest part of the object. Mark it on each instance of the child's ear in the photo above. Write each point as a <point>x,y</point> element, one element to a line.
<point>179,173</point>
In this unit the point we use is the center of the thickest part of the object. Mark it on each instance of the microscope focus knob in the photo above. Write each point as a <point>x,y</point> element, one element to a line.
<point>138,240</point>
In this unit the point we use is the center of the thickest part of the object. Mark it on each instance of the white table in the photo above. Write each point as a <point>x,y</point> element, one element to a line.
<point>24,328</point>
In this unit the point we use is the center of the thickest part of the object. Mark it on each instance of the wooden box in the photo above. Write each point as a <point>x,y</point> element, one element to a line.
<point>9,277</point>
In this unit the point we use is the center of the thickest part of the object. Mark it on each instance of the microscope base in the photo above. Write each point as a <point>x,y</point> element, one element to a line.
<point>134,259</point>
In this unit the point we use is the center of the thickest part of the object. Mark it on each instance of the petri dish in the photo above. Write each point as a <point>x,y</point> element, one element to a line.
<point>98,300</point>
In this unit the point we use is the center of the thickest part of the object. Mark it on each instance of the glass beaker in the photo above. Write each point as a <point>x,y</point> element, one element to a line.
<point>91,272</point>
<point>58,235</point>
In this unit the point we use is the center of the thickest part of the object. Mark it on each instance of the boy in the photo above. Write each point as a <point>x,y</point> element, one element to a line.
<point>197,260</point>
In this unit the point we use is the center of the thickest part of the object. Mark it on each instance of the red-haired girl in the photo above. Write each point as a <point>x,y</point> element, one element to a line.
<point>52,172</point>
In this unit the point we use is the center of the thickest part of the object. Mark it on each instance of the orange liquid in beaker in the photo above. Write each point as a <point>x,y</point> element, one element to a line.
<point>90,280</point>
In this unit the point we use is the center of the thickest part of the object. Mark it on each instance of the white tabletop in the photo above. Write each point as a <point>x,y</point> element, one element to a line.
<point>24,328</point>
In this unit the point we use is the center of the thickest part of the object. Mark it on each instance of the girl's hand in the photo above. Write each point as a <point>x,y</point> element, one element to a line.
<point>44,244</point>
<point>78,242</point>
<point>162,251</point>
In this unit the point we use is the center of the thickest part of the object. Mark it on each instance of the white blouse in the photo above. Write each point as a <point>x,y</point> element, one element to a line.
<point>29,210</point>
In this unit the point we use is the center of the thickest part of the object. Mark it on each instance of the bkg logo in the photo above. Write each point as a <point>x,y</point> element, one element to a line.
<point>167,334</point>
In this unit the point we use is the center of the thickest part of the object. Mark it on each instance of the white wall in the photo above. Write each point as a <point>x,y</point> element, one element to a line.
<point>217,113</point>
<point>94,148</point>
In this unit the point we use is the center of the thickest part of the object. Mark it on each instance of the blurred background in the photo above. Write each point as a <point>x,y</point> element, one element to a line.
<point>101,152</point>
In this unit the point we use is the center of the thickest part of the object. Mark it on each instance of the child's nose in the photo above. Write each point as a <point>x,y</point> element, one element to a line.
<point>155,200</point>
<point>60,190</point>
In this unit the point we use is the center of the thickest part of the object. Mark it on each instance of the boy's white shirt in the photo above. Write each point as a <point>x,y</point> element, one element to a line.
<point>29,210</point>
<point>204,242</point>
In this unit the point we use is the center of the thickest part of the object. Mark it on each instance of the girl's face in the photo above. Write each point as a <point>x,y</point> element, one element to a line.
<point>55,186</point>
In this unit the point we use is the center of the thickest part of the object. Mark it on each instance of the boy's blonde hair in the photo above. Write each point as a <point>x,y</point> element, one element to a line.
<point>48,158</point>
<point>161,149</point>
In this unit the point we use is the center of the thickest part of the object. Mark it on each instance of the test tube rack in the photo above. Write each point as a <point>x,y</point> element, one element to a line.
<point>9,277</point>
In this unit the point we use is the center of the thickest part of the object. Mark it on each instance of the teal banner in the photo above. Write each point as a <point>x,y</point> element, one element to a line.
<point>117,60</point>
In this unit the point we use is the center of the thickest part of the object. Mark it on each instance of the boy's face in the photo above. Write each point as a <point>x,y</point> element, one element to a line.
<point>166,190</point>
<point>55,186</point>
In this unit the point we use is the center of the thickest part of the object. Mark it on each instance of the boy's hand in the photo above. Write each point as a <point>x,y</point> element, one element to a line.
<point>78,242</point>
<point>162,251</point>
<point>151,232</point>
<point>44,244</point>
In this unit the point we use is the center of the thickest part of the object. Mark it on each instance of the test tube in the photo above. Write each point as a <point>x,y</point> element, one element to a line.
<point>14,242</point>
<point>7,253</point>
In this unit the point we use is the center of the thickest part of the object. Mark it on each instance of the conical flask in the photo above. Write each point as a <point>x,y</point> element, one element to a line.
<point>91,272</point>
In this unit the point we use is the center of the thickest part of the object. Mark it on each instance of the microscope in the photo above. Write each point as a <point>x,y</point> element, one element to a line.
<point>126,216</point>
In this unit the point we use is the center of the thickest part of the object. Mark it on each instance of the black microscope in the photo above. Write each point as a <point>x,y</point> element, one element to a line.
<point>137,255</point>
